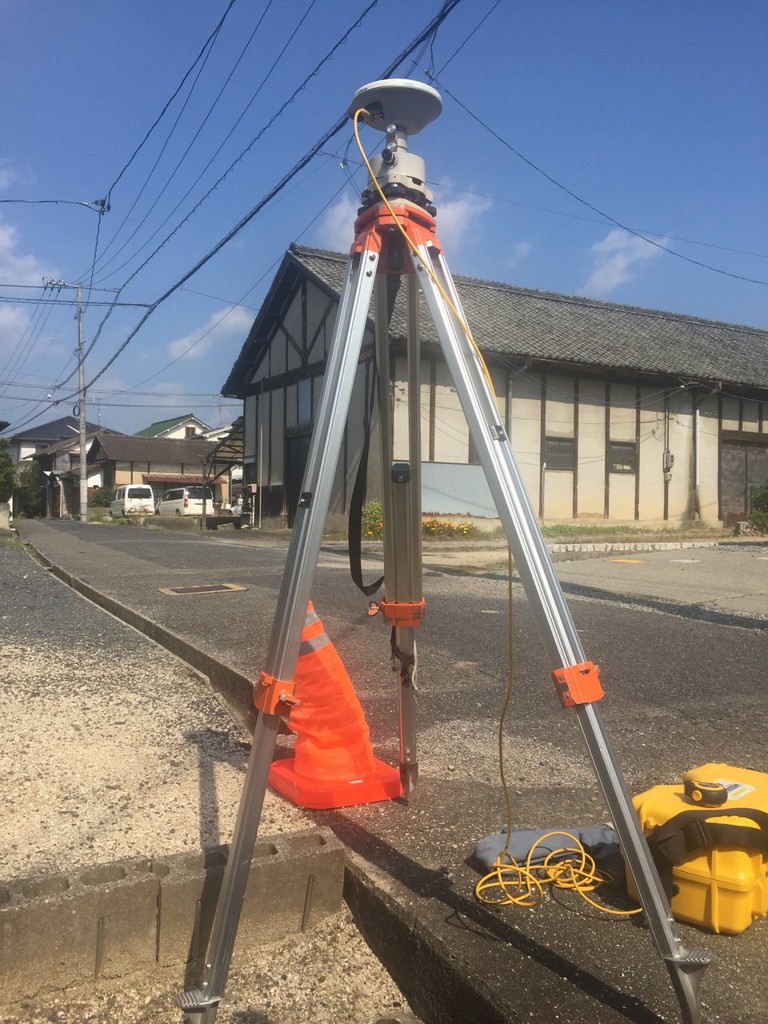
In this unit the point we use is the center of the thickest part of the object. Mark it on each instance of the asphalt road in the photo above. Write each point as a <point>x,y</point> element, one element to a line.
<point>681,689</point>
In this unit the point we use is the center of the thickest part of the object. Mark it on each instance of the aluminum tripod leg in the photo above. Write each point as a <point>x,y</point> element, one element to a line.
<point>553,617</point>
<point>401,506</point>
<point>201,1006</point>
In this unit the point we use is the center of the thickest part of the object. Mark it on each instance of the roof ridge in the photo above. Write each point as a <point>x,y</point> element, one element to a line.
<point>562,297</point>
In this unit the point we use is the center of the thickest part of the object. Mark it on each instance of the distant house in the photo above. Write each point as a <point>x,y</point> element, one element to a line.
<point>35,439</point>
<point>177,428</point>
<point>614,413</point>
<point>158,461</point>
<point>60,462</point>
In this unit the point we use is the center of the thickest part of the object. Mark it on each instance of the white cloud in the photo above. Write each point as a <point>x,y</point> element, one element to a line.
<point>8,175</point>
<point>336,228</point>
<point>519,253</point>
<point>14,322</point>
<point>455,217</point>
<point>14,267</point>
<point>218,326</point>
<point>616,260</point>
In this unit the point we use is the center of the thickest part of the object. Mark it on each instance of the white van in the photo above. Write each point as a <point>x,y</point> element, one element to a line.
<point>132,500</point>
<point>185,501</point>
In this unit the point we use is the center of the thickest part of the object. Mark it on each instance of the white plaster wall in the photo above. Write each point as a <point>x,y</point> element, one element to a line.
<point>525,430</point>
<point>591,450</point>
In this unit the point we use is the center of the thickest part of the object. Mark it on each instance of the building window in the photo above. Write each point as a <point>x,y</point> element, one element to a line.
<point>190,432</point>
<point>622,456</point>
<point>558,452</point>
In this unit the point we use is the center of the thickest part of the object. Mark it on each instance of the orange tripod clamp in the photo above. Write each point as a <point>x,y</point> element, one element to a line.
<point>403,613</point>
<point>274,696</point>
<point>578,684</point>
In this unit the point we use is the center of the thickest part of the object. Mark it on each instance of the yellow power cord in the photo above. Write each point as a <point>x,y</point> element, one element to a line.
<point>514,884</point>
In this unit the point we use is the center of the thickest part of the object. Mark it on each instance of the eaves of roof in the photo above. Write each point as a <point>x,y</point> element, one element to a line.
<point>126,448</point>
<point>511,323</point>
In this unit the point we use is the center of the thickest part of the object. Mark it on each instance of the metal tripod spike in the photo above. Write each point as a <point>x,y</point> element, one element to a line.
<point>395,234</point>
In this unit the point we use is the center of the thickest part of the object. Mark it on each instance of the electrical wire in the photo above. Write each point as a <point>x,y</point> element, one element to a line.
<point>238,302</point>
<point>445,10</point>
<point>203,51</point>
<point>612,220</point>
<point>415,252</point>
<point>295,170</point>
<point>194,139</point>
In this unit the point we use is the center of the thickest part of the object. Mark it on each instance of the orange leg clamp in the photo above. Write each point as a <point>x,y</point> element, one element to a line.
<point>578,684</point>
<point>274,696</point>
<point>403,613</point>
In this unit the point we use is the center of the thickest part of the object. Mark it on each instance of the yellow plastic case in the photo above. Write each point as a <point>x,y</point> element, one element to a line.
<point>722,888</point>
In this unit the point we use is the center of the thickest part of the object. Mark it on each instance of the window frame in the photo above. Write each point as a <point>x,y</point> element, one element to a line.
<point>626,467</point>
<point>570,442</point>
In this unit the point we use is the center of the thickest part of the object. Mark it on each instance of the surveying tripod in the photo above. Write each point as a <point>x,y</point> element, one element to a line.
<point>395,236</point>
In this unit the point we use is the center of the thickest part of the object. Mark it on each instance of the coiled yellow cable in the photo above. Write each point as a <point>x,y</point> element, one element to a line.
<point>570,867</point>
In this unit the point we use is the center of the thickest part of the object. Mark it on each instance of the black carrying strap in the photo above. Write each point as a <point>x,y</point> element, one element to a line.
<point>355,527</point>
<point>675,840</point>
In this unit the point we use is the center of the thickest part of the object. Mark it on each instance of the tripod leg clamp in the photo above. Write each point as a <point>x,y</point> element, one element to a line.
<point>274,696</point>
<point>578,684</point>
<point>403,613</point>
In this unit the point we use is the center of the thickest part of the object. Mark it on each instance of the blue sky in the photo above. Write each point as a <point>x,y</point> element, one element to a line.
<point>651,112</point>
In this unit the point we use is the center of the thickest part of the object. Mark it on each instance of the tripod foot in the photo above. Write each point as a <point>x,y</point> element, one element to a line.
<point>409,776</point>
<point>198,1007</point>
<point>685,972</point>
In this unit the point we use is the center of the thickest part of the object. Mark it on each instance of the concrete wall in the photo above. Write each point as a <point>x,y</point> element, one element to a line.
<point>115,919</point>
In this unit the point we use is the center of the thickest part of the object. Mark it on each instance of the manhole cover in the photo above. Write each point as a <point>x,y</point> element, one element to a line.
<point>202,588</point>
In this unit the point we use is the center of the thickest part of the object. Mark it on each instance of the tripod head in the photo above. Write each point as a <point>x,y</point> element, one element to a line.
<point>398,107</point>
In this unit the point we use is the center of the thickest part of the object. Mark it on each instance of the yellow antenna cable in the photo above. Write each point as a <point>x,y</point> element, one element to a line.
<point>415,252</point>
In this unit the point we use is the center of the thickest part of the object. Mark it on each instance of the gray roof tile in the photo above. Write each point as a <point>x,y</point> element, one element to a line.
<point>510,322</point>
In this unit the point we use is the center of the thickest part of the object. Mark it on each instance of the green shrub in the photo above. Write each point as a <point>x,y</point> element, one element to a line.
<point>372,521</point>
<point>7,471</point>
<point>100,497</point>
<point>29,496</point>
<point>758,517</point>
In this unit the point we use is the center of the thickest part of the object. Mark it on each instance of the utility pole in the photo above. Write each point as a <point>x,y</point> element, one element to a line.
<point>81,407</point>
<point>55,283</point>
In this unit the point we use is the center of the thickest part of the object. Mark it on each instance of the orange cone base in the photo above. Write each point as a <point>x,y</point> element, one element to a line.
<point>320,795</point>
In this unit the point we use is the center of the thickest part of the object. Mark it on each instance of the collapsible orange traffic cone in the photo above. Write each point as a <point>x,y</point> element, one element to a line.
<point>333,763</point>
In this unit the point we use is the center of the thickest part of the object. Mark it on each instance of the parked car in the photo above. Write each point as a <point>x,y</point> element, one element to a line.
<point>132,500</point>
<point>185,501</point>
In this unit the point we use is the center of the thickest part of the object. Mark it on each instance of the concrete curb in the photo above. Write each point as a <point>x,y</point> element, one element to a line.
<point>112,920</point>
<point>428,973</point>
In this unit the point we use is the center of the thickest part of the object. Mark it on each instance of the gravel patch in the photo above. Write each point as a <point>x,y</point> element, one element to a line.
<point>118,749</point>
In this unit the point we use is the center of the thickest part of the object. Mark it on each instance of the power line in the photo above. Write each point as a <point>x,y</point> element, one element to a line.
<point>219,148</point>
<point>594,220</point>
<point>253,213</point>
<point>584,202</point>
<point>250,145</point>
<point>445,10</point>
<point>209,48</point>
<point>20,300</point>
<point>209,42</point>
